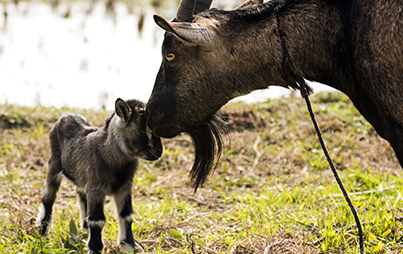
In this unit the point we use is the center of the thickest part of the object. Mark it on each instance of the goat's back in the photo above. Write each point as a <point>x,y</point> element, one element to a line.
<point>72,126</point>
<point>68,141</point>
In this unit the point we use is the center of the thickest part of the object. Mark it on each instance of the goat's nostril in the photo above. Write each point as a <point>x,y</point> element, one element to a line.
<point>154,117</point>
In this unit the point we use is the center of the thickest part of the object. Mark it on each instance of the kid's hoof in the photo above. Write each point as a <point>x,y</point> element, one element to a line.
<point>43,229</point>
<point>137,248</point>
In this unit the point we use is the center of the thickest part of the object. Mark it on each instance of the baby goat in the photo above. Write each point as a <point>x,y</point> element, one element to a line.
<point>100,162</point>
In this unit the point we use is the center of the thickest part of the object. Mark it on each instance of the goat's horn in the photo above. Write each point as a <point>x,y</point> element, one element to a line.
<point>202,5</point>
<point>185,10</point>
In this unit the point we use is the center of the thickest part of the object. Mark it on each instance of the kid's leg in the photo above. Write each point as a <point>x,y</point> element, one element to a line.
<point>96,220</point>
<point>124,210</point>
<point>82,200</point>
<point>49,192</point>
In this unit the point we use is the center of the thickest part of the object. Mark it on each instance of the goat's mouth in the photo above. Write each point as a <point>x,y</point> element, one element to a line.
<point>207,140</point>
<point>152,155</point>
<point>164,132</point>
<point>164,129</point>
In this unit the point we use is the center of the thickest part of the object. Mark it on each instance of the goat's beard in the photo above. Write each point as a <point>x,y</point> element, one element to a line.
<point>207,141</point>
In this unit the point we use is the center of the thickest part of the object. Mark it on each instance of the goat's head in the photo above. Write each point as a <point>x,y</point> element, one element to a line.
<point>198,73</point>
<point>195,79</point>
<point>134,136</point>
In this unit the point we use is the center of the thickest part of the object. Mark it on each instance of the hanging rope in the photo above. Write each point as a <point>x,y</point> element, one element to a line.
<point>306,90</point>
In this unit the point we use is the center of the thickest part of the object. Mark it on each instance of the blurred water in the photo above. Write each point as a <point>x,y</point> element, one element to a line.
<point>80,61</point>
<point>80,56</point>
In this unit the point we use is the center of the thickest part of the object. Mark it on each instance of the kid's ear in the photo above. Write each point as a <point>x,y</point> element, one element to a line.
<point>122,110</point>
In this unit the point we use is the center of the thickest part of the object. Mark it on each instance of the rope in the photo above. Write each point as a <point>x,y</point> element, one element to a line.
<point>306,90</point>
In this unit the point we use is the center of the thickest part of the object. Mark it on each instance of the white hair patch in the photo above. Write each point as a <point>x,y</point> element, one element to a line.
<point>96,223</point>
<point>41,215</point>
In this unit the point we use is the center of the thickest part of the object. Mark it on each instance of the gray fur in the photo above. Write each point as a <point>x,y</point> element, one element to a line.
<point>100,161</point>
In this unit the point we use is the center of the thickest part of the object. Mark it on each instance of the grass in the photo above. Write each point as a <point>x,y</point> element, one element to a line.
<point>272,187</point>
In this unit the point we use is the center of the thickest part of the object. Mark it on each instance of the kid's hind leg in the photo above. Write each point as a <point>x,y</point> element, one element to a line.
<point>82,201</point>
<point>124,210</point>
<point>49,192</point>
<point>96,220</point>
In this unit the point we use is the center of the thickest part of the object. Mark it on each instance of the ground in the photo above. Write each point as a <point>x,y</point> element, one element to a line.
<point>272,187</point>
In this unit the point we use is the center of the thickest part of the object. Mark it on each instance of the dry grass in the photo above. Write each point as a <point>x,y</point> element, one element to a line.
<point>272,189</point>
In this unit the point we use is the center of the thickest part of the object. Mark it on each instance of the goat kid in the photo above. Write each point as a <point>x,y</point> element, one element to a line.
<point>100,161</point>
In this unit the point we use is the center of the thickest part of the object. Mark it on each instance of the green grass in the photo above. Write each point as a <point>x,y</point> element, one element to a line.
<point>272,186</point>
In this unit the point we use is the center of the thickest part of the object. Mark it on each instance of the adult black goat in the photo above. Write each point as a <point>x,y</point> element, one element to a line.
<point>211,56</point>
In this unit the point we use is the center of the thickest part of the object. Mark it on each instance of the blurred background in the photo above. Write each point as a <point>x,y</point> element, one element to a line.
<point>85,53</point>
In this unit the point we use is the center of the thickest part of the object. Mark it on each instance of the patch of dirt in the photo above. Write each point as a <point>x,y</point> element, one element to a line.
<point>246,120</point>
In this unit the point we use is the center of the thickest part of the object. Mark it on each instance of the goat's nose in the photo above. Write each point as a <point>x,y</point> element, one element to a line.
<point>154,116</point>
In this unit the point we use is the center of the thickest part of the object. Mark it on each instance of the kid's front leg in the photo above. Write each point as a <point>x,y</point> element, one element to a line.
<point>125,218</point>
<point>96,220</point>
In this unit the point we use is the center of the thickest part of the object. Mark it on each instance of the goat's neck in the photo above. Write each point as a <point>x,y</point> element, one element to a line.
<point>113,145</point>
<point>310,32</point>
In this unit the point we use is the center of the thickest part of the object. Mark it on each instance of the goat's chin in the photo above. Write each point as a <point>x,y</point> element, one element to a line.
<point>207,141</point>
<point>164,132</point>
<point>150,156</point>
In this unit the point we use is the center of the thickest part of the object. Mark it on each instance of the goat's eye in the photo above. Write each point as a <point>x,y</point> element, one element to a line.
<point>170,57</point>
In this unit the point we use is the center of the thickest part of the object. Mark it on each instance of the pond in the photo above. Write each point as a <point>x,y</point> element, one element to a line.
<point>82,54</point>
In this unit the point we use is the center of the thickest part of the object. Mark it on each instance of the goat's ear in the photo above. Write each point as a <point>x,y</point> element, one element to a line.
<point>200,34</point>
<point>122,110</point>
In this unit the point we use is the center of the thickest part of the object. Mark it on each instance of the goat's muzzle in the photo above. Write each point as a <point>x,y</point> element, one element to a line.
<point>160,121</point>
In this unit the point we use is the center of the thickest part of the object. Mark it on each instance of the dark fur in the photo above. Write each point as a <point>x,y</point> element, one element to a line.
<point>100,162</point>
<point>208,145</point>
<point>355,46</point>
